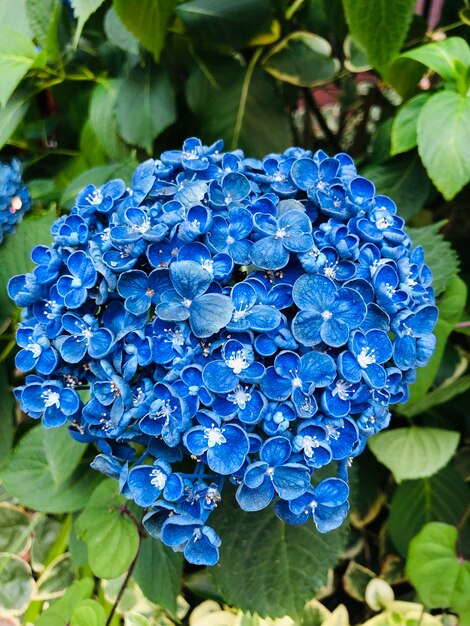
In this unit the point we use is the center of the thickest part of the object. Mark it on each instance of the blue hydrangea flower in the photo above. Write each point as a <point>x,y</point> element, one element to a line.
<point>223,318</point>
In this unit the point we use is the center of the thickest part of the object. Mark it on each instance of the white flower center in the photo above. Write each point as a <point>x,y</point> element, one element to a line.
<point>366,357</point>
<point>187,302</point>
<point>95,197</point>
<point>281,233</point>
<point>238,362</point>
<point>342,390</point>
<point>158,478</point>
<point>214,436</point>
<point>175,337</point>
<point>230,240</point>
<point>35,348</point>
<point>16,204</point>
<point>309,445</point>
<point>326,315</point>
<point>51,398</point>
<point>239,396</point>
<point>330,270</point>
<point>240,314</point>
<point>164,412</point>
<point>208,265</point>
<point>333,432</point>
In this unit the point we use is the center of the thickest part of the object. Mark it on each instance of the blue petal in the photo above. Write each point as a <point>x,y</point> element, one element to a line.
<point>291,480</point>
<point>209,313</point>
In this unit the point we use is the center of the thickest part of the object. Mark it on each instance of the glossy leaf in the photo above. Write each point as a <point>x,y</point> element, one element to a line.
<point>112,538</point>
<point>439,573</point>
<point>380,28</point>
<point>60,612</point>
<point>118,34</point>
<point>44,472</point>
<point>14,534</point>
<point>404,133</point>
<point>414,452</point>
<point>443,56</point>
<point>153,90</point>
<point>158,574</point>
<point>82,10</point>
<point>302,59</point>
<point>446,155</point>
<point>451,308</point>
<point>441,498</point>
<point>224,21</point>
<point>271,551</point>
<point>88,613</point>
<point>147,20</point>
<point>103,120</point>
<point>242,109</point>
<point>17,54</point>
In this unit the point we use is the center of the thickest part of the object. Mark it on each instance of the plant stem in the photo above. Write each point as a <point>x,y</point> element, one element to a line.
<point>244,96</point>
<point>294,7</point>
<point>312,106</point>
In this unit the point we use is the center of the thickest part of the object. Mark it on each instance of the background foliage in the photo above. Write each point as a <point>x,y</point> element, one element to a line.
<point>90,87</point>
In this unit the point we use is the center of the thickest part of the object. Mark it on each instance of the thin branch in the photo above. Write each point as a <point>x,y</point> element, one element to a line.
<point>312,106</point>
<point>124,584</point>
<point>244,96</point>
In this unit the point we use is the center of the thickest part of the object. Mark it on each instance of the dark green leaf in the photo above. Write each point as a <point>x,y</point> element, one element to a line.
<point>302,59</point>
<point>15,253</point>
<point>44,472</point>
<point>414,452</point>
<point>441,498</point>
<point>379,27</point>
<point>112,538</point>
<point>151,87</point>
<point>158,574</point>
<point>355,580</point>
<point>6,415</point>
<point>60,612</point>
<point>16,584</point>
<point>439,573</point>
<point>45,533</point>
<point>12,115</point>
<point>147,20</point>
<point>439,254</point>
<point>82,10</point>
<point>446,154</point>
<point>118,34</point>
<point>438,396</point>
<point>103,121</point>
<point>404,180</point>
<point>404,76</point>
<point>451,307</point>
<point>224,21</point>
<point>17,54</point>
<point>283,565</point>
<point>404,127</point>
<point>240,108</point>
<point>55,579</point>
<point>443,56</point>
<point>356,59</point>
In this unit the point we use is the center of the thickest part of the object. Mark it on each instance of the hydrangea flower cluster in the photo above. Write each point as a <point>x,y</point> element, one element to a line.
<point>14,197</point>
<point>226,318</point>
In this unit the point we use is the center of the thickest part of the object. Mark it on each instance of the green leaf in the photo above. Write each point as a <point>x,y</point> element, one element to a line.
<point>441,498</point>
<point>88,613</point>
<point>43,17</point>
<point>14,532</point>
<point>414,452</point>
<point>355,580</point>
<point>151,87</point>
<point>440,575</point>
<point>439,254</point>
<point>404,179</point>
<point>158,574</point>
<point>6,416</point>
<point>82,10</point>
<point>16,584</point>
<point>226,22</point>
<point>379,27</point>
<point>17,54</point>
<point>45,534</point>
<point>147,20</point>
<point>44,472</point>
<point>446,153</point>
<point>356,59</point>
<point>60,612</point>
<point>451,307</point>
<point>404,76</point>
<point>112,538</point>
<point>15,253</point>
<point>15,15</point>
<point>118,34</point>
<point>443,56</point>
<point>302,59</point>
<point>12,115</point>
<point>404,128</point>
<point>241,108</point>
<point>438,396</point>
<point>285,565</point>
<point>55,579</point>
<point>103,120</point>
